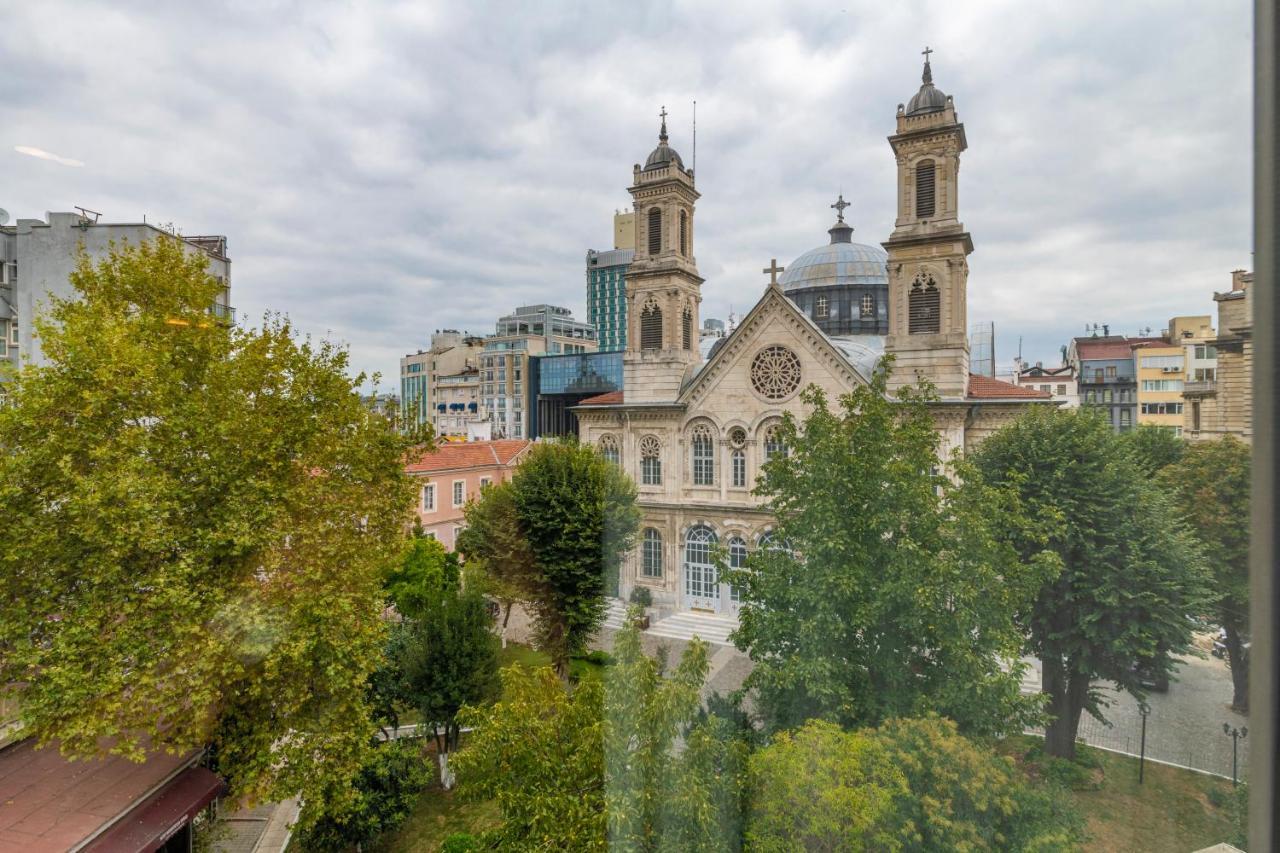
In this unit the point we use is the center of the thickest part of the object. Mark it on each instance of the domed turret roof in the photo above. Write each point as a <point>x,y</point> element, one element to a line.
<point>841,261</point>
<point>929,99</point>
<point>664,154</point>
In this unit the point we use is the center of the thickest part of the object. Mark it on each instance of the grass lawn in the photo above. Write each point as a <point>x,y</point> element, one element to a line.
<point>1173,810</point>
<point>438,815</point>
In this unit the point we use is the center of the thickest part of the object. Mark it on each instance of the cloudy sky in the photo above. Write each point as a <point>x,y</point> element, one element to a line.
<point>382,170</point>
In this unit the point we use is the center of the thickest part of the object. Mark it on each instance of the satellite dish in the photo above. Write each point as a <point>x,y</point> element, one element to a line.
<point>4,216</point>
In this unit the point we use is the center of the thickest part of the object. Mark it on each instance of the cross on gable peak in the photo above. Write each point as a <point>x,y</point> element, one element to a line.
<point>772,271</point>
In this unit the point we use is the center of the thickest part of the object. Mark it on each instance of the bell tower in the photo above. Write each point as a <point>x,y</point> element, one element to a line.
<point>929,247</point>
<point>663,285</point>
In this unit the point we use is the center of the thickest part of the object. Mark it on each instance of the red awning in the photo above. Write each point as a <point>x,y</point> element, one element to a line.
<point>153,822</point>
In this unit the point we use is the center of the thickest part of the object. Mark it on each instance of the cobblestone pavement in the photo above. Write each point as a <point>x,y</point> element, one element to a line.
<point>1185,724</point>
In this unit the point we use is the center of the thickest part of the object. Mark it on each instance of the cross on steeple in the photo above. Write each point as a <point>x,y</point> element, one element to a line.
<point>839,207</point>
<point>662,134</point>
<point>927,50</point>
<point>773,269</point>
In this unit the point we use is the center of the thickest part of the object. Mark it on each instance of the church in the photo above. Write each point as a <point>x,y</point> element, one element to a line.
<point>693,428</point>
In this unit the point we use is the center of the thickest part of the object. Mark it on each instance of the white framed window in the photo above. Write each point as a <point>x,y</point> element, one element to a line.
<point>703,450</point>
<point>820,308</point>
<point>650,461</point>
<point>609,449</point>
<point>651,554</point>
<point>485,482</point>
<point>774,446</point>
<point>429,497</point>
<point>459,492</point>
<point>428,534</point>
<point>739,469</point>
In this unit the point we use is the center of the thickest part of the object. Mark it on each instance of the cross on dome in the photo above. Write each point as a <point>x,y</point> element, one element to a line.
<point>662,134</point>
<point>839,207</point>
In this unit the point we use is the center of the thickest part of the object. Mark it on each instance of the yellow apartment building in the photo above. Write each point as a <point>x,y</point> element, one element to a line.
<point>1160,369</point>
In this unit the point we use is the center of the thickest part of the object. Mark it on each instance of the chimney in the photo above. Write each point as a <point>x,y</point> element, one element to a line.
<point>1106,330</point>
<point>1240,279</point>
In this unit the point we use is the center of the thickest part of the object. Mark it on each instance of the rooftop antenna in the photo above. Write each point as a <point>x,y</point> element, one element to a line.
<point>695,141</point>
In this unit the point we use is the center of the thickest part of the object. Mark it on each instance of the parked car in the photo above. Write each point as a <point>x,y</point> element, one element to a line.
<point>1149,677</point>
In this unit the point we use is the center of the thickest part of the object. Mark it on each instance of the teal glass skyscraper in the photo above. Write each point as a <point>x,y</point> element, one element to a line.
<point>607,296</point>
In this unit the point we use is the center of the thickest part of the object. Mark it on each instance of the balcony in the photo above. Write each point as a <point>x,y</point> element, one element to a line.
<point>1201,387</point>
<point>224,312</point>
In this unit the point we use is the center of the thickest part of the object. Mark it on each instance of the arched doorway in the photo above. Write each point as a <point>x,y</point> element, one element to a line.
<point>701,584</point>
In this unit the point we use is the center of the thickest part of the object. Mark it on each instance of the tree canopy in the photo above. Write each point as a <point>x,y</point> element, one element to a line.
<point>910,785</point>
<point>1132,573</point>
<point>1210,486</point>
<point>197,520</point>
<point>557,532</point>
<point>884,591</point>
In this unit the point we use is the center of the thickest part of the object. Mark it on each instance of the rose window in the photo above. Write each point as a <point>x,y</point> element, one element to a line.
<point>775,372</point>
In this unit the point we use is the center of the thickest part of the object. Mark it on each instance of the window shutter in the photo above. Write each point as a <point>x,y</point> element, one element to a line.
<point>924,189</point>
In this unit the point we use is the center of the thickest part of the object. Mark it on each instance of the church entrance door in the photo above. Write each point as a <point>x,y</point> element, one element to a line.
<point>701,584</point>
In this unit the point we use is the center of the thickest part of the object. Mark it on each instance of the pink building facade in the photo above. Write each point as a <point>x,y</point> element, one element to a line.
<point>453,474</point>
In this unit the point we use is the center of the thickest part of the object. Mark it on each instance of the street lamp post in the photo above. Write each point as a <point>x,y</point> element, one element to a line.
<point>1236,736</point>
<point>1145,710</point>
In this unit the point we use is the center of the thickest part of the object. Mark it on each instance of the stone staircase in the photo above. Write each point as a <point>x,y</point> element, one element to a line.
<point>683,625</point>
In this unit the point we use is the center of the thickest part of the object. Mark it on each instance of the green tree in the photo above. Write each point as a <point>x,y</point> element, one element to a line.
<point>493,540</point>
<point>424,571</point>
<point>1132,574</point>
<point>884,591</point>
<point>1152,447</point>
<point>387,789</point>
<point>1210,485</point>
<point>558,533</point>
<point>196,521</point>
<point>600,765</point>
<point>910,785</point>
<point>539,754</point>
<point>448,660</point>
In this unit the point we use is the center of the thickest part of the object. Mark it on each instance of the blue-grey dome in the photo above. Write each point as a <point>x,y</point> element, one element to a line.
<point>929,99</point>
<point>837,264</point>
<point>663,155</point>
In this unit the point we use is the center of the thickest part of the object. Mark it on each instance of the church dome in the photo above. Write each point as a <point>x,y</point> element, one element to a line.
<point>929,99</point>
<point>664,154</point>
<point>842,286</point>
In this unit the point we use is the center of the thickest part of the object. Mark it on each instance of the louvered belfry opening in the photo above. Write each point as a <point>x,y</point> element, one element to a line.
<point>686,323</point>
<point>655,230</point>
<point>924,305</point>
<point>684,233</point>
<point>924,189</point>
<point>651,327</point>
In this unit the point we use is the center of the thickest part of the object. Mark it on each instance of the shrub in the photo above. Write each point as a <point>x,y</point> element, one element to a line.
<point>642,596</point>
<point>460,842</point>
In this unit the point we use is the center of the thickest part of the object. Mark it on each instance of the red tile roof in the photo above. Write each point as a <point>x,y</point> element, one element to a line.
<point>610,398</point>
<point>987,388</point>
<point>470,454</point>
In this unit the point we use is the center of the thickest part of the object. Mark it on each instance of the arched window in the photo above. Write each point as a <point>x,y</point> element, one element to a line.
<point>609,449</point>
<point>924,189</point>
<point>923,305</point>
<point>686,325</point>
<point>700,576</point>
<point>651,554</point>
<point>655,230</point>
<point>703,452</point>
<point>651,326</point>
<point>739,469</point>
<point>867,308</point>
<point>684,233</point>
<point>820,310</point>
<point>650,461</point>
<point>774,446</point>
<point>737,560</point>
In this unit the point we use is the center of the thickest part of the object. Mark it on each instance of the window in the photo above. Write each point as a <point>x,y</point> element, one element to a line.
<point>867,307</point>
<point>1045,389</point>
<point>686,326</point>
<point>820,308</point>
<point>651,326</point>
<point>1162,362</point>
<point>1206,374</point>
<point>1161,408</point>
<point>737,560</point>
<point>924,189</point>
<point>739,469</point>
<point>1195,417</point>
<point>775,372</point>
<point>650,461</point>
<point>609,449</point>
<point>923,306</point>
<point>1097,374</point>
<point>1106,396</point>
<point>651,554</point>
<point>429,497</point>
<point>703,451</point>
<point>700,576</point>
<point>1062,390</point>
<point>655,230</point>
<point>1206,351</point>
<point>1162,385</point>
<point>13,332</point>
<point>684,233</point>
<point>429,534</point>
<point>485,482</point>
<point>459,492</point>
<point>774,446</point>
<point>1111,371</point>
<point>1126,419</point>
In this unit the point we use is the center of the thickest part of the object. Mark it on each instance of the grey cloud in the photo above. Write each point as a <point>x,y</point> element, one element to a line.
<point>384,170</point>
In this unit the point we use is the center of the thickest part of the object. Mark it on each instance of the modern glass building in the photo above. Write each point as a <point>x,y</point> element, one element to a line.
<point>559,382</point>
<point>607,296</point>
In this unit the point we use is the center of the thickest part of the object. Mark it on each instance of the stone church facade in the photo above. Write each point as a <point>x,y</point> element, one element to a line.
<point>693,428</point>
